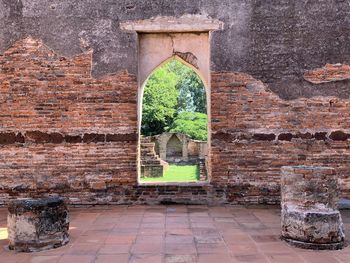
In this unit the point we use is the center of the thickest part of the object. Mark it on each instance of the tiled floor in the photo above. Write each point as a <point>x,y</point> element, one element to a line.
<point>174,234</point>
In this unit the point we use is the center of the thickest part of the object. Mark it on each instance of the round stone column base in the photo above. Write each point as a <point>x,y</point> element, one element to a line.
<point>314,246</point>
<point>37,224</point>
<point>310,217</point>
<point>312,227</point>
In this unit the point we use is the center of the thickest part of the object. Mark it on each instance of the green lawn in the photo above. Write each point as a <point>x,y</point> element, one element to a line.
<point>177,173</point>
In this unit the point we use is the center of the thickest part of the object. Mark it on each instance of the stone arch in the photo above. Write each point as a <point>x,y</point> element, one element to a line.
<point>196,70</point>
<point>191,63</point>
<point>174,147</point>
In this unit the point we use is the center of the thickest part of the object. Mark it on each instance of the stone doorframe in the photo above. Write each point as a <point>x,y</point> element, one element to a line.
<point>163,145</point>
<point>161,39</point>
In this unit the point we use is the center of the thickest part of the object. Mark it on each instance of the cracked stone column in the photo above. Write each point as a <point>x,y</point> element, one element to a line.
<point>310,215</point>
<point>37,224</point>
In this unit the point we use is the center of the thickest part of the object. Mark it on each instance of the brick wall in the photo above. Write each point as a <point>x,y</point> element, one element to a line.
<point>62,131</point>
<point>254,133</point>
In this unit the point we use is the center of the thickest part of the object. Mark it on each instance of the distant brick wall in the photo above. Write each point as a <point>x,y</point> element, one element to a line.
<point>62,131</point>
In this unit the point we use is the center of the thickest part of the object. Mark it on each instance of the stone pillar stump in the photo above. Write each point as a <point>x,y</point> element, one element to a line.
<point>309,202</point>
<point>37,224</point>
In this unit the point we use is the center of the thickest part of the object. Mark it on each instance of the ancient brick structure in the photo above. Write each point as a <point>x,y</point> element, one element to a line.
<point>63,131</point>
<point>177,147</point>
<point>150,163</point>
<point>160,150</point>
<point>329,73</point>
<point>36,225</point>
<point>310,215</point>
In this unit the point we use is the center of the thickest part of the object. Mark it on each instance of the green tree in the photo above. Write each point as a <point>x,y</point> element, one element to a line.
<point>174,97</point>
<point>193,124</point>
<point>192,95</point>
<point>159,101</point>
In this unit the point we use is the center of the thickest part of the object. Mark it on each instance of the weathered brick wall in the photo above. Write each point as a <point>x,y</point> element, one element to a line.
<point>254,133</point>
<point>62,131</point>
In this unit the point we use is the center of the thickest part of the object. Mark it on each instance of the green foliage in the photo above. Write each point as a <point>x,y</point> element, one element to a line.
<point>192,95</point>
<point>177,173</point>
<point>173,96</point>
<point>193,124</point>
<point>159,101</point>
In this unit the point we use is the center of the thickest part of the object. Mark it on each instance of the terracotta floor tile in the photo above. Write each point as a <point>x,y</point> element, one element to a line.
<point>177,219</point>
<point>225,220</point>
<point>252,226</point>
<point>151,231</point>
<point>265,238</point>
<point>175,248</point>
<point>83,249</point>
<point>180,258</point>
<point>54,252</point>
<point>237,239</point>
<point>194,219</point>
<point>102,227</point>
<point>177,225</point>
<point>152,226</point>
<point>184,239</point>
<point>243,249</point>
<point>285,258</point>
<point>248,218</point>
<point>153,219</point>
<point>114,249</point>
<point>211,248</point>
<point>275,247</point>
<point>202,225</point>
<point>128,225</point>
<point>12,257</point>
<point>116,238</point>
<point>146,258</point>
<point>104,220</point>
<point>76,259</point>
<point>205,231</point>
<point>147,248</point>
<point>44,259</point>
<point>253,258</point>
<point>209,239</point>
<point>343,258</point>
<point>121,258</point>
<point>179,231</point>
<point>129,231</point>
<point>92,236</point>
<point>318,257</point>
<point>175,234</point>
<point>154,239</point>
<point>219,258</point>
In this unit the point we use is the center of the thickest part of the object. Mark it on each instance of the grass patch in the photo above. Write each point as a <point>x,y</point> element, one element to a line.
<point>177,173</point>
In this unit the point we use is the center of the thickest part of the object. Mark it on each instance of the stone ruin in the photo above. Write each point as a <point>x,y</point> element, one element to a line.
<point>37,224</point>
<point>179,148</point>
<point>310,215</point>
<point>158,151</point>
<point>151,164</point>
<point>71,102</point>
<point>70,108</point>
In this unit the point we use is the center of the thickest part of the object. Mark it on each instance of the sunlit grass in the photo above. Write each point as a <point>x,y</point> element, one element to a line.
<point>3,233</point>
<point>177,173</point>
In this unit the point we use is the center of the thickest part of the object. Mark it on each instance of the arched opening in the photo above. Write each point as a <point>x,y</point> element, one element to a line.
<point>173,148</point>
<point>174,121</point>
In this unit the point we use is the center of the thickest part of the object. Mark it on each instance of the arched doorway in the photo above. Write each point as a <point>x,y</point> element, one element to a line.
<point>174,116</point>
<point>174,148</point>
